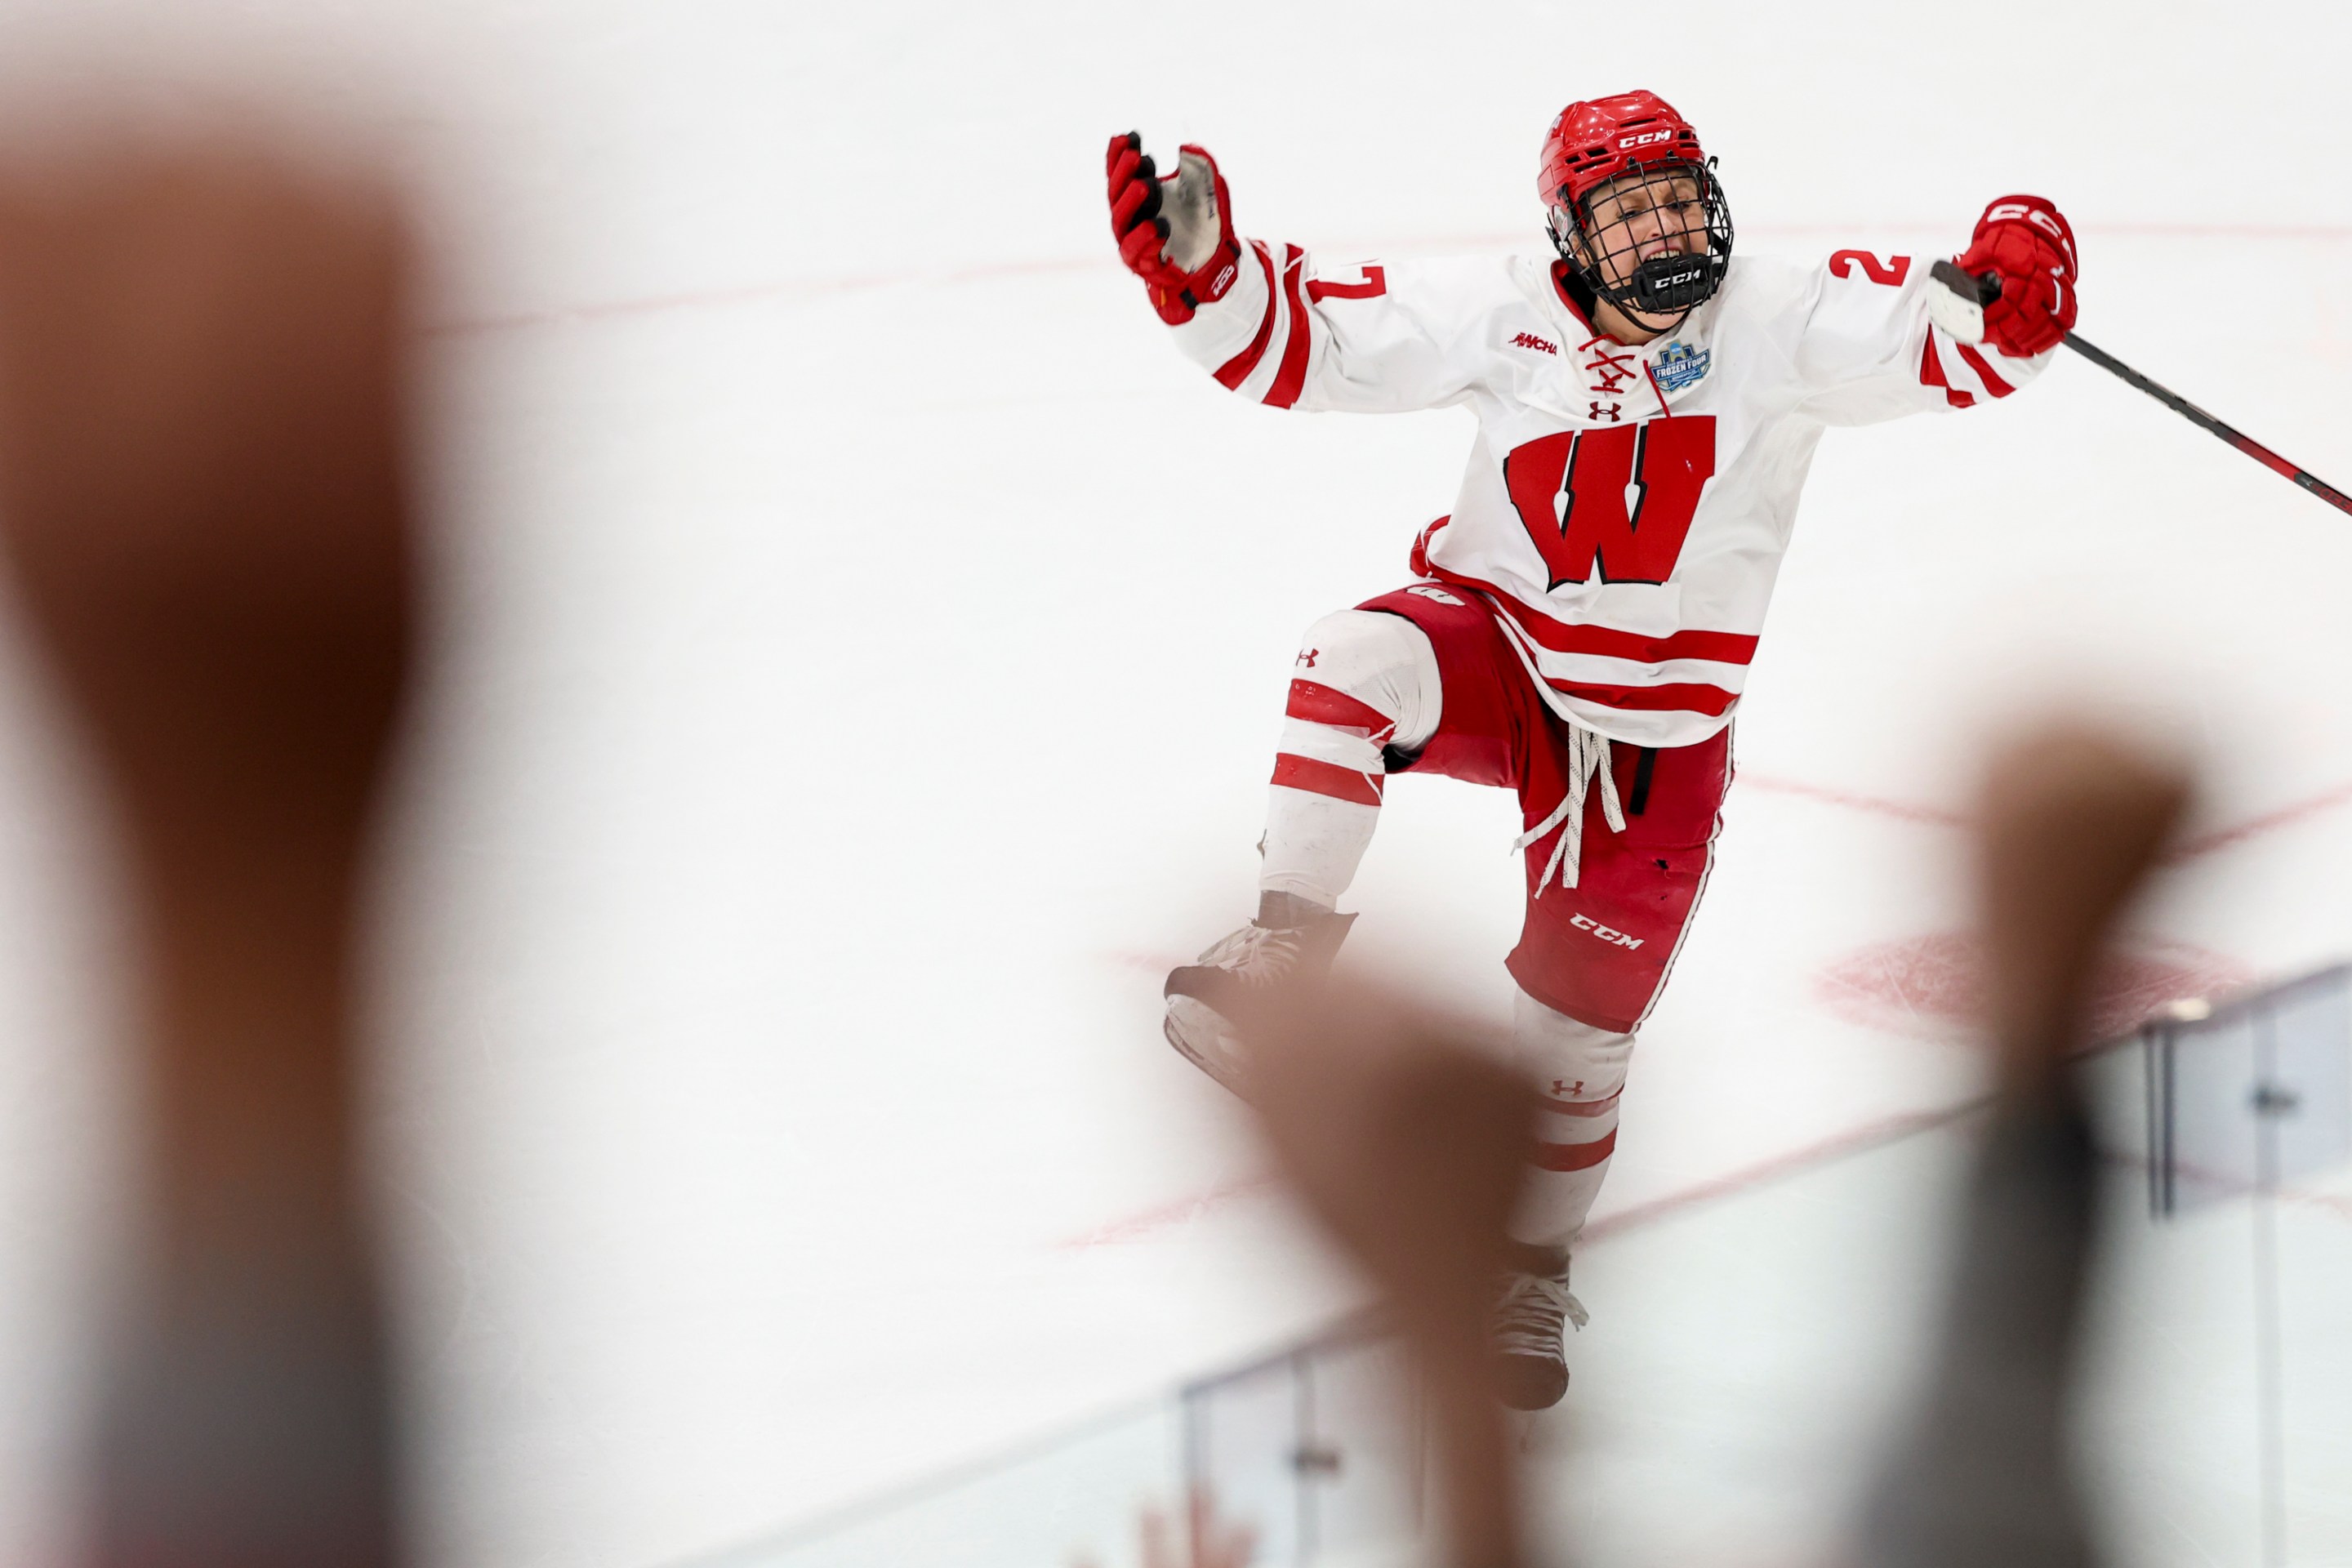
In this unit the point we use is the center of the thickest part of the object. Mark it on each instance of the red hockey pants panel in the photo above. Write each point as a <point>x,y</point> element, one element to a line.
<point>1598,952</point>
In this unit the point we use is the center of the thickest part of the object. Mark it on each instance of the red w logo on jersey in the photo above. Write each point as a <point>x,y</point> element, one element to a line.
<point>1617,501</point>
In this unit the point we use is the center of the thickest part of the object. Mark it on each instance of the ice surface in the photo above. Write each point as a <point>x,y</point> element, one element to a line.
<point>866,635</point>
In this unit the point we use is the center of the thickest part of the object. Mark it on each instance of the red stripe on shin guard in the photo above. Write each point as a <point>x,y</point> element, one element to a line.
<point>1576,1156</point>
<point>1327,778</point>
<point>1583,1107</point>
<point>1322,705</point>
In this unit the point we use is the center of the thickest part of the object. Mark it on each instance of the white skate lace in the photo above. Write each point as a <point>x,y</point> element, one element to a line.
<point>1588,754</point>
<point>1528,1319</point>
<point>1256,955</point>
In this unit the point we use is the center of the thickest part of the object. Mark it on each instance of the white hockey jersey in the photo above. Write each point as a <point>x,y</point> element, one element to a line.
<point>1626,509</point>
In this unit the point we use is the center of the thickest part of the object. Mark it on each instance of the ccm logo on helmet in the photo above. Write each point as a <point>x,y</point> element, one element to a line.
<point>1643,139</point>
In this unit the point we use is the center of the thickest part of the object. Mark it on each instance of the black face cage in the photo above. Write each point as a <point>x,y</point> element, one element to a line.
<point>1664,285</point>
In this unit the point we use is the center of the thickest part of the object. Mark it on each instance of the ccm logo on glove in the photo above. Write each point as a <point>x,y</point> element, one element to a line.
<point>2026,242</point>
<point>2041,217</point>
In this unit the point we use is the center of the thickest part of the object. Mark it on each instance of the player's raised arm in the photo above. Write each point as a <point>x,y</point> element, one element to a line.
<point>1883,338</point>
<point>1270,324</point>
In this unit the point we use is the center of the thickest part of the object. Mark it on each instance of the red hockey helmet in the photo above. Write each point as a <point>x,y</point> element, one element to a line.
<point>1593,142</point>
<point>1636,138</point>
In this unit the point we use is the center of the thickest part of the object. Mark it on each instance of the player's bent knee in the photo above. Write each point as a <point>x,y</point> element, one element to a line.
<point>1383,660</point>
<point>1349,646</point>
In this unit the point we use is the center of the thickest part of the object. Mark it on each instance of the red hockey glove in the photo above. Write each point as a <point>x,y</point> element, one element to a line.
<point>2028,242</point>
<point>1174,233</point>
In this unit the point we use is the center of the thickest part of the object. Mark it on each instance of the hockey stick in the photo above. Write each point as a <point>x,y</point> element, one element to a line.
<point>1975,289</point>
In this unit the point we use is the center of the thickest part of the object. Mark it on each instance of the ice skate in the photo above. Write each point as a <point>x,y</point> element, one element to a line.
<point>1288,938</point>
<point>1533,1310</point>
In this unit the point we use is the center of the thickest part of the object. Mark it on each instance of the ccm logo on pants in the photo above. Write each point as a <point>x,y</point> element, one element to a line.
<point>1614,938</point>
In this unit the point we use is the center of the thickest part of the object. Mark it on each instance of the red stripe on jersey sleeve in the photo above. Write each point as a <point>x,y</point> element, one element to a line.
<point>1684,697</point>
<point>1292,378</point>
<point>1575,1156</point>
<point>1326,778</point>
<point>1977,363</point>
<point>1236,369</point>
<point>1931,373</point>
<point>1375,284</point>
<point>1583,1107</point>
<point>1319,704</point>
<point>1607,642</point>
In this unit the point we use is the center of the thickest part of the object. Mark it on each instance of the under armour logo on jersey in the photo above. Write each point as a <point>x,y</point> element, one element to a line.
<point>1566,1090</point>
<point>1307,656</point>
<point>1529,341</point>
<point>1614,413</point>
<point>1614,938</point>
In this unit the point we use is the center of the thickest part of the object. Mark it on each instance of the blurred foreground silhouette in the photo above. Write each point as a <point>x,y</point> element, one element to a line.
<point>202,454</point>
<point>1984,1474</point>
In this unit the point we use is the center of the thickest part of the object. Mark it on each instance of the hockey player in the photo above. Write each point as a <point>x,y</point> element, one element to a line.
<point>1583,621</point>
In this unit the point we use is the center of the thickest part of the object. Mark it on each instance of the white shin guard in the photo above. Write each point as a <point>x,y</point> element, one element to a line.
<point>1581,1071</point>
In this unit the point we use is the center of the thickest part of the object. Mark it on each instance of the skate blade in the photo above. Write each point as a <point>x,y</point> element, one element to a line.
<point>1186,1022</point>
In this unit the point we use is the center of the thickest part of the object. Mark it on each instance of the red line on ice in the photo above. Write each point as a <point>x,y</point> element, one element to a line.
<point>2285,817</point>
<point>1934,816</point>
<point>746,294</point>
<point>1181,1211</point>
<point>1854,1141</point>
<point>1859,1139</point>
<point>858,282</point>
<point>2330,799</point>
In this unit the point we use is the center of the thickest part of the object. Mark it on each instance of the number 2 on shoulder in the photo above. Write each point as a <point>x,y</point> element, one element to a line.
<point>1890,272</point>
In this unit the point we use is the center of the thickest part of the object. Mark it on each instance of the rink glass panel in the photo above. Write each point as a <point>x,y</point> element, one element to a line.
<point>1748,1353</point>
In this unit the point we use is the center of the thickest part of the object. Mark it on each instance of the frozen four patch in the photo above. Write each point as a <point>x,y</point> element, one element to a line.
<point>1679,364</point>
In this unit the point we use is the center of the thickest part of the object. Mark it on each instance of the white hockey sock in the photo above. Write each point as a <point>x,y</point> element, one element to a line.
<point>1580,1070</point>
<point>1363,680</point>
